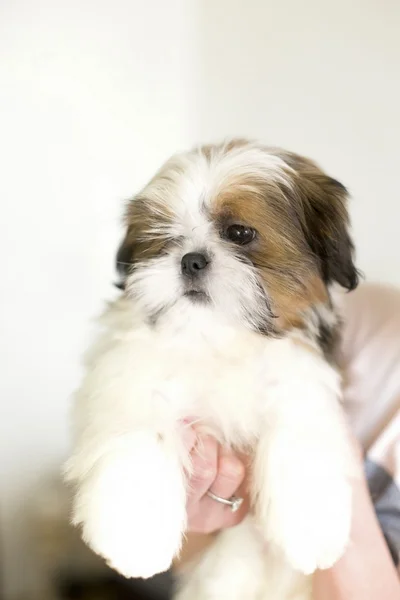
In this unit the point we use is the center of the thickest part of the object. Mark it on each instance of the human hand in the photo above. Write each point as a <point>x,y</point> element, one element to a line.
<point>220,471</point>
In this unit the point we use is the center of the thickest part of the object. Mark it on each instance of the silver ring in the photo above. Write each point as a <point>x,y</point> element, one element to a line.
<point>234,502</point>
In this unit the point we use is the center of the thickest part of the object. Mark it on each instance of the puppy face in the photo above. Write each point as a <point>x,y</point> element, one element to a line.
<point>252,232</point>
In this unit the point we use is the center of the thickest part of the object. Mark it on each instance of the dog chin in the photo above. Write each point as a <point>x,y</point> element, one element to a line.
<point>197,296</point>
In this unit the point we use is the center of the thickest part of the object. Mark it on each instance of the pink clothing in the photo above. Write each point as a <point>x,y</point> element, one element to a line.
<point>371,365</point>
<point>371,359</point>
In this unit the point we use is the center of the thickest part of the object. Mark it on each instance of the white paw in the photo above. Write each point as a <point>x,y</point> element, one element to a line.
<point>310,519</point>
<point>131,506</point>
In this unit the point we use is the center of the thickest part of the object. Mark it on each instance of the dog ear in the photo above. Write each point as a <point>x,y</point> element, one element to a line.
<point>325,222</point>
<point>124,259</point>
<point>139,243</point>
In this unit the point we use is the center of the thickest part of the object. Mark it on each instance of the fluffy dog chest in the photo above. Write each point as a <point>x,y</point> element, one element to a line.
<point>217,378</point>
<point>206,370</point>
<point>222,392</point>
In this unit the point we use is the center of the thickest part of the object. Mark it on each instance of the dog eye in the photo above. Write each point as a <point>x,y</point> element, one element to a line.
<point>240,234</point>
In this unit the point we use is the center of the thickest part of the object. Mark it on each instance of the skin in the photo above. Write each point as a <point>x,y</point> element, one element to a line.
<point>365,572</point>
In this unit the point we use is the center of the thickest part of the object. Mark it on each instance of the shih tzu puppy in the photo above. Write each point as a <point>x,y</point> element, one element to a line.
<point>226,318</point>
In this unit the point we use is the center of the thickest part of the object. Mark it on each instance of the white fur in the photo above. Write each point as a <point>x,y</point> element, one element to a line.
<point>162,358</point>
<point>247,389</point>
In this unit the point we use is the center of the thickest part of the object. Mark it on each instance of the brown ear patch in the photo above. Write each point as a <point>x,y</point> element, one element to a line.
<point>143,239</point>
<point>322,207</point>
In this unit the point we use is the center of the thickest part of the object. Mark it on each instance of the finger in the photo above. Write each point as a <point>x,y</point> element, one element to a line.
<point>229,479</point>
<point>230,475</point>
<point>204,468</point>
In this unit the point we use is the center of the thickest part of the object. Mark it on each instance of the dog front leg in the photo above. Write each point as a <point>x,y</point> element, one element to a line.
<point>302,469</point>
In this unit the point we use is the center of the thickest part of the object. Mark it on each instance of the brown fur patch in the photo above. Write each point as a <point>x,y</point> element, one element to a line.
<point>303,242</point>
<point>280,253</point>
<point>322,209</point>
<point>141,241</point>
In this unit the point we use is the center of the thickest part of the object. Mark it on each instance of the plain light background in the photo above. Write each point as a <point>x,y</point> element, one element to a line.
<point>93,96</point>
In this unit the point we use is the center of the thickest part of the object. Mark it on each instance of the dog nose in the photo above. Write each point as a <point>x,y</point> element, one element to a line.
<point>192,263</point>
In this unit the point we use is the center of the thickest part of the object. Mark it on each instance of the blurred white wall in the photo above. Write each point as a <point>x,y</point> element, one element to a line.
<point>93,96</point>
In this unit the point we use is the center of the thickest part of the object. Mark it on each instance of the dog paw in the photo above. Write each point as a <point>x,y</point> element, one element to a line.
<point>310,522</point>
<point>131,506</point>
